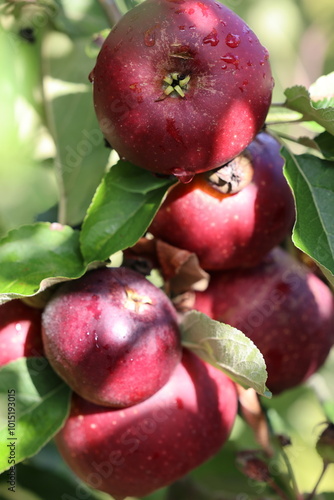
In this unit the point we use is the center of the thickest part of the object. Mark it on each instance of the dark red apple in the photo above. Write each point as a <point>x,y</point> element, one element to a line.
<point>20,331</point>
<point>137,450</point>
<point>181,86</point>
<point>231,230</point>
<point>112,336</point>
<point>285,309</point>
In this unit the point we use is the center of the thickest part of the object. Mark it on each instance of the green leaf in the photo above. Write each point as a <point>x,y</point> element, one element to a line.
<point>80,19</point>
<point>325,143</point>
<point>278,114</point>
<point>226,348</point>
<point>328,275</point>
<point>35,256</point>
<point>312,182</point>
<point>298,99</point>
<point>51,483</point>
<point>122,209</point>
<point>34,405</point>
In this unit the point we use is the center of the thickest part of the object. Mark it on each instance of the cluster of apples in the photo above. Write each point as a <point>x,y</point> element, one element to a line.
<point>182,88</point>
<point>144,411</point>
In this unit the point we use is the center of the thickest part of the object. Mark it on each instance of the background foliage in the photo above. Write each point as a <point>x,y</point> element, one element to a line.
<point>45,157</point>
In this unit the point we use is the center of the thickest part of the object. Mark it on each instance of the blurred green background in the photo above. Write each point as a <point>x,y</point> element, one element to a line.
<point>51,149</point>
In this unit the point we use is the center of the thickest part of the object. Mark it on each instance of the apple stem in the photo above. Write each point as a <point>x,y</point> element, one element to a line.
<point>291,474</point>
<point>313,492</point>
<point>286,121</point>
<point>288,137</point>
<point>277,105</point>
<point>112,11</point>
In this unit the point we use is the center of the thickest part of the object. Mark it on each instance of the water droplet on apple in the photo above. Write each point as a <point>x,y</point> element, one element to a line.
<point>182,28</point>
<point>232,40</point>
<point>249,63</point>
<point>192,27</point>
<point>212,38</point>
<point>96,341</point>
<point>224,66</point>
<point>91,76</point>
<point>231,59</point>
<point>266,54</point>
<point>182,175</point>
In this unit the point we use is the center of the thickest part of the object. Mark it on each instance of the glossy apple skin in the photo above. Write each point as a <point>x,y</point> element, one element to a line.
<point>20,331</point>
<point>137,450</point>
<point>226,100</point>
<point>230,231</point>
<point>285,309</point>
<point>112,336</point>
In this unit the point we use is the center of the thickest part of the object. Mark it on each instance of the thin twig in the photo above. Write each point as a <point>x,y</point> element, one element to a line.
<point>112,11</point>
<point>288,137</point>
<point>278,105</point>
<point>286,121</point>
<point>278,490</point>
<point>291,474</point>
<point>51,124</point>
<point>313,492</point>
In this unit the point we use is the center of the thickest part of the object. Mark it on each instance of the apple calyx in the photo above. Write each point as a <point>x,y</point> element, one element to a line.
<point>233,176</point>
<point>135,302</point>
<point>174,85</point>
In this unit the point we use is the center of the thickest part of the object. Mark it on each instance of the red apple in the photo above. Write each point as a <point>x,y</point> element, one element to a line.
<point>182,86</point>
<point>112,336</point>
<point>285,309</point>
<point>137,450</point>
<point>20,331</point>
<point>231,230</point>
